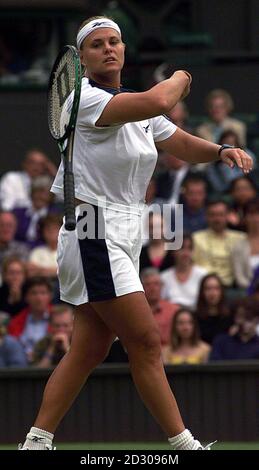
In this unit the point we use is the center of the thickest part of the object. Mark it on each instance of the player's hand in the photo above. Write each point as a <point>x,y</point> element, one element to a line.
<point>239,157</point>
<point>185,75</point>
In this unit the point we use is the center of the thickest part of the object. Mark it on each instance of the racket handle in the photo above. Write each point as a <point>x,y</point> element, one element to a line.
<point>69,199</point>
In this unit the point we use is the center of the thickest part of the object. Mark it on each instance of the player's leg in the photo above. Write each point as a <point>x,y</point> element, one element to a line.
<point>132,320</point>
<point>91,341</point>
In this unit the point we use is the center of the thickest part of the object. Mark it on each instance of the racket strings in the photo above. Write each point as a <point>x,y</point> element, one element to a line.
<point>61,95</point>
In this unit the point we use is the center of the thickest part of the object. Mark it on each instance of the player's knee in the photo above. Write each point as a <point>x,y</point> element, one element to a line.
<point>146,345</point>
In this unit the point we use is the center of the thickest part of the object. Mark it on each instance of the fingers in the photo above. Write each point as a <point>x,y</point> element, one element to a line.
<point>188,75</point>
<point>228,161</point>
<point>244,161</point>
<point>238,157</point>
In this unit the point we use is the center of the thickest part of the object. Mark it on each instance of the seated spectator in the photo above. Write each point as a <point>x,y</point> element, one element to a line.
<point>244,344</point>
<point>32,323</point>
<point>194,196</point>
<point>221,175</point>
<point>169,181</point>
<point>219,105</point>
<point>155,254</point>
<point>28,218</point>
<point>181,283</point>
<point>213,247</point>
<point>242,190</point>
<point>11,350</point>
<point>253,288</point>
<point>212,311</point>
<point>117,353</point>
<point>150,200</point>
<point>186,346</point>
<point>246,252</point>
<point>49,350</point>
<point>12,291</point>
<point>179,116</point>
<point>43,259</point>
<point>8,246</point>
<point>239,310</point>
<point>163,311</point>
<point>15,186</point>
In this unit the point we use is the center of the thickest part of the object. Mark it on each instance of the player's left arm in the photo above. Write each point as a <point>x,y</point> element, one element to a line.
<point>195,150</point>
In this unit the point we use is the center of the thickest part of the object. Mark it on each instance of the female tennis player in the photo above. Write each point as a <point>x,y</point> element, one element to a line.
<point>115,153</point>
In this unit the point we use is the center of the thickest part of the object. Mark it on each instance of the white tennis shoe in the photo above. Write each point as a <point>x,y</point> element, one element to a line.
<point>198,446</point>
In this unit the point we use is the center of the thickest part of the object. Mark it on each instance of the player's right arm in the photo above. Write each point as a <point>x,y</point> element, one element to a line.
<point>160,99</point>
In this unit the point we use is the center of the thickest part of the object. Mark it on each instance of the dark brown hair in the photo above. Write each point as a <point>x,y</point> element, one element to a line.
<point>175,340</point>
<point>202,304</point>
<point>252,207</point>
<point>37,281</point>
<point>10,260</point>
<point>51,219</point>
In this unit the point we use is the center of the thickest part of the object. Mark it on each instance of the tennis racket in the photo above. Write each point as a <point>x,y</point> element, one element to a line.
<point>64,91</point>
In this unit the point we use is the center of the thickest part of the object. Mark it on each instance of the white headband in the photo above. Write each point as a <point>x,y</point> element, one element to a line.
<point>92,26</point>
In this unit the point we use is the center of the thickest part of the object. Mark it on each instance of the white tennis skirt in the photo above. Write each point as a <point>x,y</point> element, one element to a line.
<point>100,259</point>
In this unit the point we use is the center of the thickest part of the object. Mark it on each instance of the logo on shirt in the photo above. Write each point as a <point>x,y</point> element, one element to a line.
<point>146,129</point>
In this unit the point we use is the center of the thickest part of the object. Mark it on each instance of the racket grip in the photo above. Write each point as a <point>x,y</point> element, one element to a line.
<point>69,199</point>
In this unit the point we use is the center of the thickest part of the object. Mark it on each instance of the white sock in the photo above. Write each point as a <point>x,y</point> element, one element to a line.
<point>37,439</point>
<point>184,441</point>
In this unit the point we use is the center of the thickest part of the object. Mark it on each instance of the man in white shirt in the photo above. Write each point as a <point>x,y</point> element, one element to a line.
<point>15,186</point>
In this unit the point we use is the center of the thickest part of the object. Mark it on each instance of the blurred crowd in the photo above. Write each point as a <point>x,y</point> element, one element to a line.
<point>204,295</point>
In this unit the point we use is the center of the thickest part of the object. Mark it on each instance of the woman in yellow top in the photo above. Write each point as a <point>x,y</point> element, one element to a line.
<point>185,346</point>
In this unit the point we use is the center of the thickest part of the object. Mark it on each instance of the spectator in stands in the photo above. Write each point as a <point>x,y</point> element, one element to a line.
<point>155,254</point>
<point>186,346</point>
<point>8,246</point>
<point>117,353</point>
<point>242,190</point>
<point>239,309</point>
<point>163,311</point>
<point>15,186</point>
<point>43,259</point>
<point>181,283</point>
<point>213,247</point>
<point>212,311</point>
<point>246,251</point>
<point>179,116</point>
<point>12,290</point>
<point>28,218</point>
<point>219,174</point>
<point>253,288</point>
<point>150,200</point>
<point>219,105</point>
<point>194,196</point>
<point>11,350</point>
<point>50,349</point>
<point>169,181</point>
<point>32,323</point>
<point>244,344</point>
